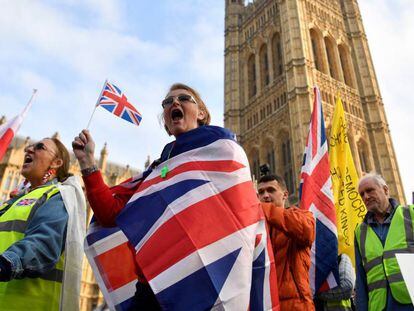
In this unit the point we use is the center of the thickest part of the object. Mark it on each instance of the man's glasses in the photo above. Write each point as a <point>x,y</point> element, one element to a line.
<point>39,146</point>
<point>182,98</point>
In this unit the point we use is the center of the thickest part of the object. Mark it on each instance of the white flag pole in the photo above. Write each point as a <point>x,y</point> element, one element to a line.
<point>97,103</point>
<point>30,100</point>
<point>29,104</point>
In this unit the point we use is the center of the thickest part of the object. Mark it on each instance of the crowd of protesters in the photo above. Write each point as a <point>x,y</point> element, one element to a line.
<point>41,230</point>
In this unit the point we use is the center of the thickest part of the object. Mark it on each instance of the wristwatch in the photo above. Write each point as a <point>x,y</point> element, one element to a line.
<point>89,170</point>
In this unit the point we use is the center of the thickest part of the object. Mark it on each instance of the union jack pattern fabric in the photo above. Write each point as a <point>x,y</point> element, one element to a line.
<point>112,260</point>
<point>115,101</point>
<point>25,202</point>
<point>198,235</point>
<point>316,195</point>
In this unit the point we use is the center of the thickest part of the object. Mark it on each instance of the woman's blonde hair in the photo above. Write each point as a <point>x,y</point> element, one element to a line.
<point>202,106</point>
<point>62,153</point>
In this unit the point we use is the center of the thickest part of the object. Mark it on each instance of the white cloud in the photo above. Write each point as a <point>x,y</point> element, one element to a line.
<point>68,60</point>
<point>199,38</point>
<point>205,60</point>
<point>90,51</point>
<point>109,12</point>
<point>31,80</point>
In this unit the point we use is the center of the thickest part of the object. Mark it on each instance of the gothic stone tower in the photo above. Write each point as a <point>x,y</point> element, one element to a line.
<point>275,52</point>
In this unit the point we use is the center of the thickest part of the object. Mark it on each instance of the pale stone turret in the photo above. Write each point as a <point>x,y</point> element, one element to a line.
<point>147,162</point>
<point>103,158</point>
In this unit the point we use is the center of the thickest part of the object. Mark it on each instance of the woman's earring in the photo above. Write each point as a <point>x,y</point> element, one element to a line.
<point>50,172</point>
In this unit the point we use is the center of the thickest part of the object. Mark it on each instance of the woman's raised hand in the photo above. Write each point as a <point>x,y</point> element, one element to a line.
<point>84,148</point>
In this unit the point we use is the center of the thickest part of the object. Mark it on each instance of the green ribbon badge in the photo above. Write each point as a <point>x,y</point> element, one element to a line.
<point>164,171</point>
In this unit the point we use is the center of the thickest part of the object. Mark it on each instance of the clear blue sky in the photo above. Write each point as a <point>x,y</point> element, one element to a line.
<point>67,48</point>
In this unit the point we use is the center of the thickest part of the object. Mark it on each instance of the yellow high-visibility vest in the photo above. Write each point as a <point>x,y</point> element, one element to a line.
<point>42,293</point>
<point>380,263</point>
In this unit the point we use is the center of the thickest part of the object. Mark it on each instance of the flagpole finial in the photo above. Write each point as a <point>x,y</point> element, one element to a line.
<point>29,103</point>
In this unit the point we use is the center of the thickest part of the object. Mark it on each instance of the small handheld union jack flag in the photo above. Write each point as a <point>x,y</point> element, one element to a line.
<point>115,101</point>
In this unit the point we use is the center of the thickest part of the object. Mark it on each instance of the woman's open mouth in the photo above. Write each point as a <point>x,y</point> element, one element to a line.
<point>27,160</point>
<point>176,115</point>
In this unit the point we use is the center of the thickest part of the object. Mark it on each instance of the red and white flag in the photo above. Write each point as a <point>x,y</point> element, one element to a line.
<point>10,128</point>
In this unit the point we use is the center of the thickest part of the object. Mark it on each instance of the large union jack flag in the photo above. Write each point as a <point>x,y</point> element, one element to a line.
<point>115,101</point>
<point>198,234</point>
<point>316,195</point>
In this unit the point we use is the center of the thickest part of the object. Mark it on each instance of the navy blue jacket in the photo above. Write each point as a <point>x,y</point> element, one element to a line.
<point>44,241</point>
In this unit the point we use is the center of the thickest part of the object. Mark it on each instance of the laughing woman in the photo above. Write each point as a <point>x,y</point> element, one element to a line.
<point>41,234</point>
<point>179,195</point>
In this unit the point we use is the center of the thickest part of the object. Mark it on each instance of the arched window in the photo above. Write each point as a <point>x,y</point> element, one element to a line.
<point>288,165</point>
<point>255,168</point>
<point>271,159</point>
<point>346,65</point>
<point>264,65</point>
<point>332,62</point>
<point>363,156</point>
<point>251,72</point>
<point>317,50</point>
<point>364,161</point>
<point>277,55</point>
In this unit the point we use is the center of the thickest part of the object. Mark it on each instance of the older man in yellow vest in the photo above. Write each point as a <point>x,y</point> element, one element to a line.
<point>387,229</point>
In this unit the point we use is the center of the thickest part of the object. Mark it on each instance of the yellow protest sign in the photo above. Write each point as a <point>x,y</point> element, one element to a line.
<point>350,209</point>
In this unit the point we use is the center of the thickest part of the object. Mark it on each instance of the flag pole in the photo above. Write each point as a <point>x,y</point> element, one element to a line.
<point>29,103</point>
<point>97,103</point>
<point>33,95</point>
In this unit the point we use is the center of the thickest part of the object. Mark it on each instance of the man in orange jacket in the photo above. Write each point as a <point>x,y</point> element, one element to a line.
<point>292,232</point>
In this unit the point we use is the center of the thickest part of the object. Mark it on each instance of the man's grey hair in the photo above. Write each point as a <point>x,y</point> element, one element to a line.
<point>377,177</point>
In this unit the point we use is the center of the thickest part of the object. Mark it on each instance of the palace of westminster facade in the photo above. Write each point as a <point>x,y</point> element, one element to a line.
<point>275,52</point>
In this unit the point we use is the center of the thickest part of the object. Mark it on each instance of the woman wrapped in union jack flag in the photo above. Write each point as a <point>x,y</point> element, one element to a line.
<point>191,222</point>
